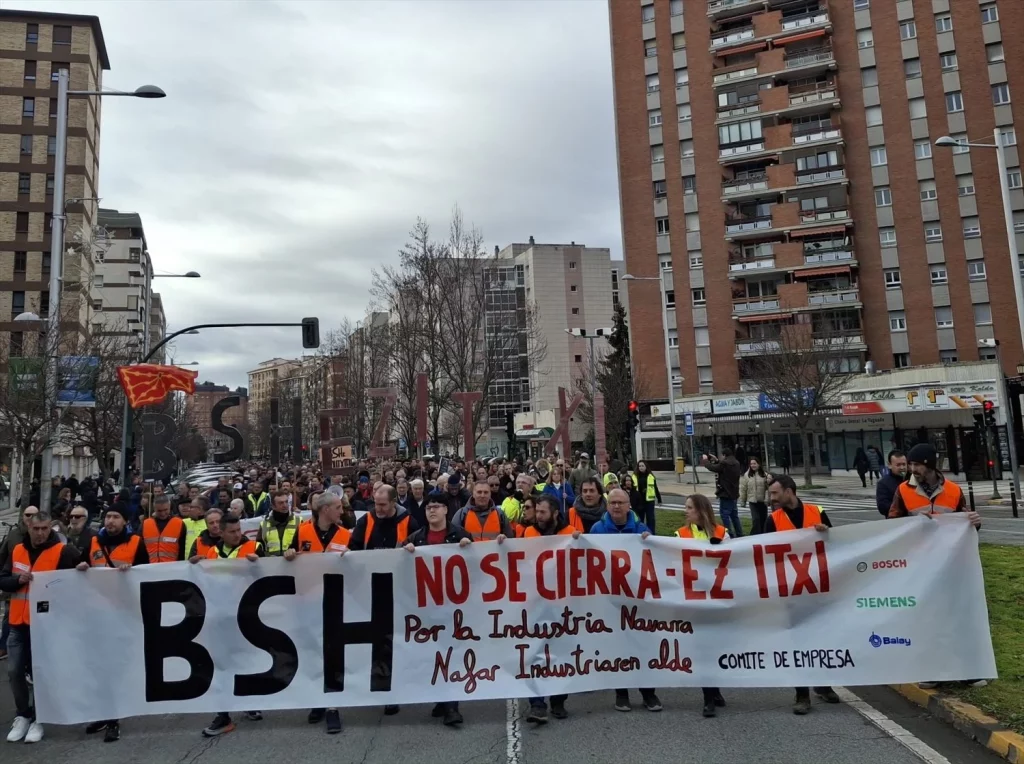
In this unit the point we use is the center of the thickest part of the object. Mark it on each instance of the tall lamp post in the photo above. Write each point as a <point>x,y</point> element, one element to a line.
<point>57,248</point>
<point>668,369</point>
<point>126,424</point>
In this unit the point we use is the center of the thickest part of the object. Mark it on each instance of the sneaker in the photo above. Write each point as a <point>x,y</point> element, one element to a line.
<point>719,700</point>
<point>927,685</point>
<point>35,733</point>
<point>95,727</point>
<point>537,714</point>
<point>976,682</point>
<point>113,733</point>
<point>438,710</point>
<point>391,710</point>
<point>19,729</point>
<point>827,694</point>
<point>316,715</point>
<point>622,701</point>
<point>254,716</point>
<point>452,717</point>
<point>333,722</point>
<point>221,723</point>
<point>558,711</point>
<point>802,705</point>
<point>709,709</point>
<point>3,655</point>
<point>652,703</point>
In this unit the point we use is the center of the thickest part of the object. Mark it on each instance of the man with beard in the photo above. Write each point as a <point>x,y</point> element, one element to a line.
<point>590,505</point>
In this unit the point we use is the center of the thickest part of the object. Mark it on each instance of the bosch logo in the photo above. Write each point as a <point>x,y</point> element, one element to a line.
<point>861,567</point>
<point>884,564</point>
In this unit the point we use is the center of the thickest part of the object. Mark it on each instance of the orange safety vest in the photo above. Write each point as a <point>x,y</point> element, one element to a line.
<point>489,531</point>
<point>532,532</point>
<point>202,548</point>
<point>812,516</point>
<point>946,501</point>
<point>122,554</point>
<point>48,559</point>
<point>247,547</point>
<point>162,546</point>
<point>520,529</point>
<point>309,535</point>
<point>686,532</point>
<point>574,521</point>
<point>403,529</point>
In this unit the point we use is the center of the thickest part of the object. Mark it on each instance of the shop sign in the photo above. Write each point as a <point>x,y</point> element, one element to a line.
<point>737,404</point>
<point>961,395</point>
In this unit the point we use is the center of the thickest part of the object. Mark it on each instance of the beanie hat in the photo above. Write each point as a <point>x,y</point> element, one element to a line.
<point>118,507</point>
<point>455,479</point>
<point>923,453</point>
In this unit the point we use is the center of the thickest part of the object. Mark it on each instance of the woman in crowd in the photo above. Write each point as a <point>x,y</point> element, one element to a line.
<point>754,492</point>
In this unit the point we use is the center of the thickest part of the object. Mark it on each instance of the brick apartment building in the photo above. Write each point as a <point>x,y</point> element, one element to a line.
<point>777,158</point>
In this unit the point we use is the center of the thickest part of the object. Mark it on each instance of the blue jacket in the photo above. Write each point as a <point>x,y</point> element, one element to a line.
<point>607,525</point>
<point>566,497</point>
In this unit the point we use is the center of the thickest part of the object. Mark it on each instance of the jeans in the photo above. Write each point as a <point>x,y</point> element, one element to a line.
<point>730,517</point>
<point>19,663</point>
<point>649,514</point>
<point>556,700</point>
<point>758,517</point>
<point>5,628</point>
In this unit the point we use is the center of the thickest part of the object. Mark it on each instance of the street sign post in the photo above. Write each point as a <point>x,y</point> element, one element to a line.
<point>688,425</point>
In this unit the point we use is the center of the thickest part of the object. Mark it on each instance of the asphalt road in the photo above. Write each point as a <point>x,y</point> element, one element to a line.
<point>757,726</point>
<point>998,524</point>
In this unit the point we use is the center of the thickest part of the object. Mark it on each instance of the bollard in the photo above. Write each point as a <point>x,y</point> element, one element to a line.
<point>1013,499</point>
<point>970,494</point>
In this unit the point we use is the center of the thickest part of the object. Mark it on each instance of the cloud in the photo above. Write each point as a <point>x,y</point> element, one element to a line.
<point>300,141</point>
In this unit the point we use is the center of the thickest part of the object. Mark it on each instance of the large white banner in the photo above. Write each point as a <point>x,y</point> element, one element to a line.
<point>872,603</point>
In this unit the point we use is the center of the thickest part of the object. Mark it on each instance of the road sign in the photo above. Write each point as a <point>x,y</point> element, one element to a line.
<point>688,422</point>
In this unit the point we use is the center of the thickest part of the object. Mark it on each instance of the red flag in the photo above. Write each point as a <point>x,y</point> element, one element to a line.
<point>149,383</point>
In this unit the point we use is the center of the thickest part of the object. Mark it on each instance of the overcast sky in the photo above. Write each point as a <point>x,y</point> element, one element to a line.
<point>300,140</point>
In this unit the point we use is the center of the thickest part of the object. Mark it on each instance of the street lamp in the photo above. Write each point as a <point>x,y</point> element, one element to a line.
<point>57,244</point>
<point>1011,237</point>
<point>668,367</point>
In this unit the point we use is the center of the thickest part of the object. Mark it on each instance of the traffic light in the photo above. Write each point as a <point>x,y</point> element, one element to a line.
<point>510,430</point>
<point>634,414</point>
<point>989,409</point>
<point>310,333</point>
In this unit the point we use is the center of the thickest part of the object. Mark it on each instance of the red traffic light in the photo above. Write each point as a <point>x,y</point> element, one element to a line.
<point>991,463</point>
<point>988,405</point>
<point>634,406</point>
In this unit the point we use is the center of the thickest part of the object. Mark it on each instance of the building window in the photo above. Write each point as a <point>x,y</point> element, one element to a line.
<point>47,223</point>
<point>869,77</point>
<point>661,225</point>
<point>46,262</point>
<point>698,297</point>
<point>665,261</point>
<point>1013,177</point>
<point>961,147</point>
<point>1001,94</point>
<point>572,287</point>
<point>61,35</point>
<point>689,184</point>
<point>944,23</point>
<point>53,108</point>
<point>31,34</point>
<point>26,145</point>
<point>878,157</point>
<point>17,344</point>
<point>682,77</point>
<point>134,254</point>
<point>883,197</point>
<point>859,5</point>
<point>575,311</point>
<point>49,184</point>
<point>923,149</point>
<point>650,49</point>
<point>692,221</point>
<point>51,145</point>
<point>933,233</point>
<point>982,314</point>
<point>678,41</point>
<point>912,68</point>
<point>697,261</point>
<point>657,153</point>
<point>954,102</point>
<point>670,298</point>
<point>704,375</point>
<point>686,149</point>
<point>652,83</point>
<point>17,303</point>
<point>928,192</point>
<point>24,184</point>
<point>873,115</point>
<point>965,185</point>
<point>578,358</point>
<point>647,13</point>
<point>21,222</point>
<point>989,13</point>
<point>887,237</point>
<point>683,112</point>
<point>28,107</point>
<point>892,278</point>
<point>900,360</point>
<point>908,30</point>
<point>948,356</point>
<point>675,7</point>
<point>918,108</point>
<point>944,318</point>
<point>1008,136</point>
<point>972,228</point>
<point>659,189</point>
<point>654,118</point>
<point>897,321</point>
<point>994,53</point>
<point>701,337</point>
<point>97,281</point>
<point>30,71</point>
<point>572,265</point>
<point>55,68</point>
<point>976,270</point>
<point>865,39</point>
<point>938,275</point>
<point>947,62</point>
<point>20,261</point>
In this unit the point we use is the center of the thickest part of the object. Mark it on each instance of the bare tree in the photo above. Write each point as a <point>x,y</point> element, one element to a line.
<point>802,367</point>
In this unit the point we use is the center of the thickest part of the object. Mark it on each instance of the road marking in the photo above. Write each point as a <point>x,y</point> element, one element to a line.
<point>513,738</point>
<point>908,740</point>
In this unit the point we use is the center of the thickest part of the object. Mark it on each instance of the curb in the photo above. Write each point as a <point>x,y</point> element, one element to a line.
<point>969,719</point>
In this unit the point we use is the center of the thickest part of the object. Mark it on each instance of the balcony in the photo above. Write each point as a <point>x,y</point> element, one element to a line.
<point>835,214</point>
<point>732,37</point>
<point>742,268</point>
<point>814,92</point>
<point>740,225</point>
<point>731,75</point>
<point>800,100</point>
<point>806,21</point>
<point>721,9</point>
<point>753,347</point>
<point>852,341</point>
<point>826,130</point>
<point>752,183</point>
<point>829,256</point>
<point>812,58</point>
<point>772,180</point>
<point>741,150</point>
<point>754,305</point>
<point>825,176</point>
<point>847,297</point>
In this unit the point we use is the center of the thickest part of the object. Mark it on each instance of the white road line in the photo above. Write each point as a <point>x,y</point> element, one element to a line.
<point>911,742</point>
<point>513,738</point>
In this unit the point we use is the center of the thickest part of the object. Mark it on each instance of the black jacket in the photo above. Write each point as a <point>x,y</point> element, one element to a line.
<point>728,471</point>
<point>885,491</point>
<point>416,509</point>
<point>83,541</point>
<point>455,535</point>
<point>69,558</point>
<point>385,532</point>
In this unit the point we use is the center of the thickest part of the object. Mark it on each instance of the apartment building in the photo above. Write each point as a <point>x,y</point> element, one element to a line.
<point>33,47</point>
<point>777,163</point>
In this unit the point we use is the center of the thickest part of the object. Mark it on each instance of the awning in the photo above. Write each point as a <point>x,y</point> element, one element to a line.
<point>742,49</point>
<point>535,433</point>
<point>817,231</point>
<point>811,272</point>
<point>761,317</point>
<point>803,36</point>
<point>761,415</point>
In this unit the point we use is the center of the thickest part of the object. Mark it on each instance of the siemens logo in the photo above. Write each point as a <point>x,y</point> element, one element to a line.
<point>886,602</point>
